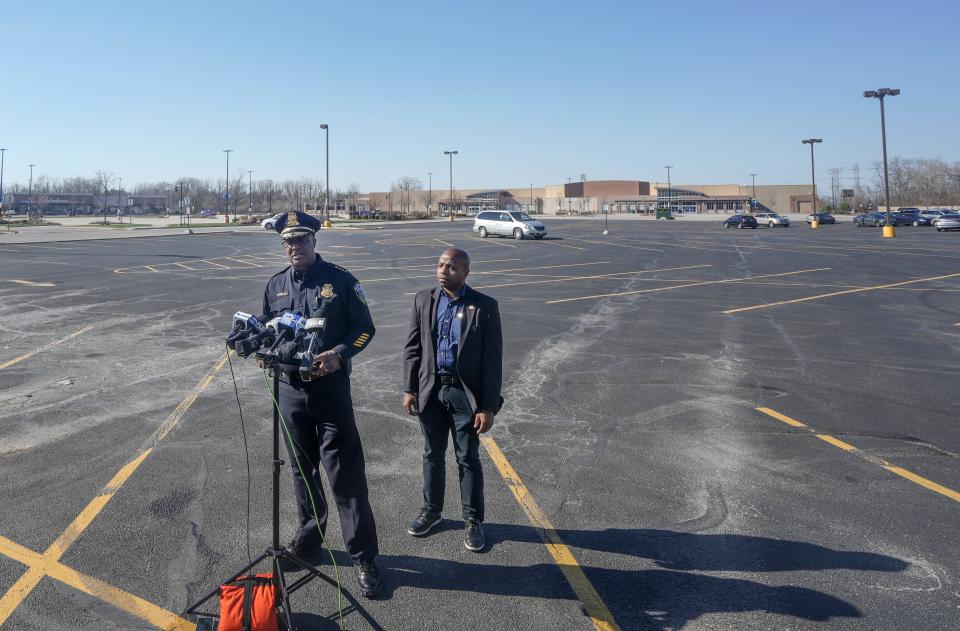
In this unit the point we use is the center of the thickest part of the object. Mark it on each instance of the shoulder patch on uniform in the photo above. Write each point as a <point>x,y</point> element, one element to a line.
<point>359,291</point>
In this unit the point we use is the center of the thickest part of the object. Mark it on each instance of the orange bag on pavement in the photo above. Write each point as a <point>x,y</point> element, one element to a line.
<point>248,604</point>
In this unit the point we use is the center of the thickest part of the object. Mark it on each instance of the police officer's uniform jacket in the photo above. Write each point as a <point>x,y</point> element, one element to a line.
<point>324,291</point>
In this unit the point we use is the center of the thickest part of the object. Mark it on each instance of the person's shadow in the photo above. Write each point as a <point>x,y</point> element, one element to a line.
<point>664,598</point>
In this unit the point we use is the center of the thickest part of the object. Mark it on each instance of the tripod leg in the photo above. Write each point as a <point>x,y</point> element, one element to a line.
<point>284,595</point>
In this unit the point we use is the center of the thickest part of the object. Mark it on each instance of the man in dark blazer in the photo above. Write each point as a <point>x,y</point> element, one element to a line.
<point>452,373</point>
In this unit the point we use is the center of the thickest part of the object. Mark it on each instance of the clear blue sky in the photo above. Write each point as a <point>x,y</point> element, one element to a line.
<point>527,92</point>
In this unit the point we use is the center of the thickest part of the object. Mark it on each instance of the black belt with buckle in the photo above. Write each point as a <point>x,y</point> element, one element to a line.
<point>448,380</point>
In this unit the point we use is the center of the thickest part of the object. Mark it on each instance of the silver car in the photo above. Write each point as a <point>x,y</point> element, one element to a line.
<point>508,223</point>
<point>947,222</point>
<point>772,219</point>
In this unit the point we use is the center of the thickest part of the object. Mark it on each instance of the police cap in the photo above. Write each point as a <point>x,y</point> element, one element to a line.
<point>295,223</point>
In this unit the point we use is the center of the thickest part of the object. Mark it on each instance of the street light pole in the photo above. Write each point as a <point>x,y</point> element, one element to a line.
<point>429,195</point>
<point>669,187</point>
<point>250,192</point>
<point>814,223</point>
<point>326,202</point>
<point>450,208</point>
<point>888,230</point>
<point>30,189</point>
<point>753,198</point>
<point>2,152</point>
<point>226,196</point>
<point>270,197</point>
<point>120,199</point>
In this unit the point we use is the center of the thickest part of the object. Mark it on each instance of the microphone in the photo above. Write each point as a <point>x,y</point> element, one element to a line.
<point>244,324</point>
<point>314,330</point>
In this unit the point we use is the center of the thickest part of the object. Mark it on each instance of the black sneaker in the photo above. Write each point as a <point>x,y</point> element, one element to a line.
<point>423,523</point>
<point>473,537</point>
<point>368,578</point>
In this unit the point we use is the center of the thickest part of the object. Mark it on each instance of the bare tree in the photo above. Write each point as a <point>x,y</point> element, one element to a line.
<point>405,187</point>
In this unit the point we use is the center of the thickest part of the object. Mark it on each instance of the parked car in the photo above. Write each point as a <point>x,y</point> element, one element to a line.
<point>772,219</point>
<point>508,223</point>
<point>913,217</point>
<point>880,219</point>
<point>947,222</point>
<point>267,224</point>
<point>936,213</point>
<point>740,221</point>
<point>206,213</point>
<point>822,218</point>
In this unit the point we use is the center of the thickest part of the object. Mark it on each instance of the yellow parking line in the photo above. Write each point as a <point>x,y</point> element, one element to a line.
<point>45,347</point>
<point>698,284</point>
<point>31,283</point>
<point>594,606</point>
<point>185,266</point>
<point>230,258</point>
<point>47,563</point>
<point>506,245</point>
<point>499,271</point>
<point>567,278</point>
<point>933,486</point>
<point>840,293</point>
<point>619,245</point>
<point>781,417</point>
<point>836,442</point>
<point>41,566</point>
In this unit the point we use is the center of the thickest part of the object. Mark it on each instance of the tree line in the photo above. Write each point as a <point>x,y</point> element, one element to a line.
<point>302,194</point>
<point>913,182</point>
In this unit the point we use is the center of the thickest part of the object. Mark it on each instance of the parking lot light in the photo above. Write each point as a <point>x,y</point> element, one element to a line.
<point>814,223</point>
<point>888,230</point>
<point>451,154</point>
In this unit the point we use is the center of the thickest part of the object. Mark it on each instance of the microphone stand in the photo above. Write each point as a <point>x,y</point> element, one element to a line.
<point>276,553</point>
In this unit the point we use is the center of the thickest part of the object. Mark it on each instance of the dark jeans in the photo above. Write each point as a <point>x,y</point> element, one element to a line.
<point>448,413</point>
<point>321,422</point>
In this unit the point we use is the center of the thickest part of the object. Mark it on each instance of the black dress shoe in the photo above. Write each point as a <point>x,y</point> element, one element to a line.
<point>473,537</point>
<point>423,523</point>
<point>368,578</point>
<point>311,556</point>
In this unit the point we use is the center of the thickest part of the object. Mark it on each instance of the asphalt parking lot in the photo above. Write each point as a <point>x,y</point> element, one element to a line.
<point>713,429</point>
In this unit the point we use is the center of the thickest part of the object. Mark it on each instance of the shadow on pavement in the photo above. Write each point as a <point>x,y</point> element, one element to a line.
<point>665,598</point>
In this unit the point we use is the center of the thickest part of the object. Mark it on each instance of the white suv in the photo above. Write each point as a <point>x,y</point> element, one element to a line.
<point>772,220</point>
<point>508,223</point>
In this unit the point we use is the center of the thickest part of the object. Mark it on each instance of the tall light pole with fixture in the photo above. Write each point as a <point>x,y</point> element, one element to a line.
<point>326,202</point>
<point>450,207</point>
<point>753,197</point>
<point>814,223</point>
<point>30,190</point>
<point>250,192</point>
<point>226,196</point>
<point>270,197</point>
<point>2,152</point>
<point>669,188</point>
<point>429,195</point>
<point>120,200</point>
<point>888,230</point>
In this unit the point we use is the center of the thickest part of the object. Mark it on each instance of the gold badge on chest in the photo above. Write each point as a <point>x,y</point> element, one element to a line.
<point>327,291</point>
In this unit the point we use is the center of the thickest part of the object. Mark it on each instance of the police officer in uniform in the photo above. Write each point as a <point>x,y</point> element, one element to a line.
<point>319,412</point>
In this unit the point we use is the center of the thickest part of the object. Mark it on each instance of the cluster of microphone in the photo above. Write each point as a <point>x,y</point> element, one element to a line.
<point>288,341</point>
